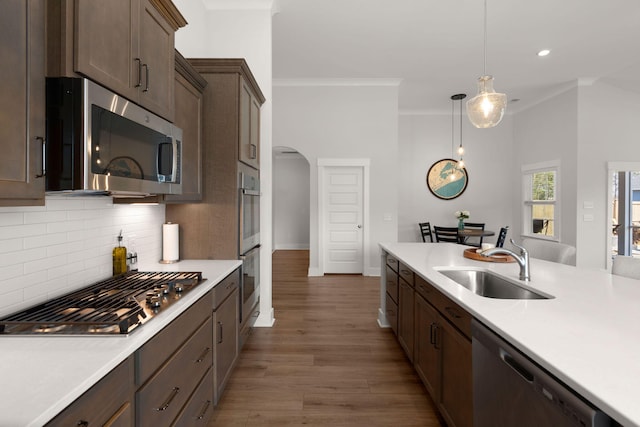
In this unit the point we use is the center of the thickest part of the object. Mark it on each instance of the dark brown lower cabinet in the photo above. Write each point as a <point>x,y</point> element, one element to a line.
<point>442,359</point>
<point>225,331</point>
<point>427,355</point>
<point>406,318</point>
<point>108,403</point>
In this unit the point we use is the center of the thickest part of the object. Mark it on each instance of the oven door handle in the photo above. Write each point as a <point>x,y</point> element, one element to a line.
<point>249,253</point>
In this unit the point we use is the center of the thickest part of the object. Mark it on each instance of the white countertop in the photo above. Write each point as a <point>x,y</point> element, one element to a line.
<point>40,376</point>
<point>588,335</point>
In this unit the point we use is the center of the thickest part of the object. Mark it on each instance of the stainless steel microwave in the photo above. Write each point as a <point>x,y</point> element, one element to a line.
<point>101,142</point>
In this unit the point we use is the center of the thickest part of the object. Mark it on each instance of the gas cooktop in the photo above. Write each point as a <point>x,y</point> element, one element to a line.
<point>115,306</point>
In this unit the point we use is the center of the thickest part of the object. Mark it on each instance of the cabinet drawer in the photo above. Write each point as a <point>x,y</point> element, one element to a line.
<point>392,314</point>
<point>429,292</point>
<point>407,274</point>
<point>223,289</point>
<point>106,403</point>
<point>458,316</point>
<point>154,353</point>
<point>199,410</point>
<point>392,262</point>
<point>160,400</point>
<point>451,311</point>
<point>392,284</point>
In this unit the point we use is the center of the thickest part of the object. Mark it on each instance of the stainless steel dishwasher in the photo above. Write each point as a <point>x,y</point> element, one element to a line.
<point>510,390</point>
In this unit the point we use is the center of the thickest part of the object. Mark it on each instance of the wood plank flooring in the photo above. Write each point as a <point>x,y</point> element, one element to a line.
<point>325,362</point>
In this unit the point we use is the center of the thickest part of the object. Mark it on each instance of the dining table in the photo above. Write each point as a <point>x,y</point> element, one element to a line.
<point>465,233</point>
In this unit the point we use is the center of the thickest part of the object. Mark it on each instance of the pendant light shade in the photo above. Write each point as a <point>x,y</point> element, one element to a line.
<point>486,109</point>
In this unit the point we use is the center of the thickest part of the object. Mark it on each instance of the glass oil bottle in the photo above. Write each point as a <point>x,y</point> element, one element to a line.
<point>119,257</point>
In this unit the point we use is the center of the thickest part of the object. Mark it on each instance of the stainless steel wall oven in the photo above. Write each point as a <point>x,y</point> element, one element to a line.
<point>249,235</point>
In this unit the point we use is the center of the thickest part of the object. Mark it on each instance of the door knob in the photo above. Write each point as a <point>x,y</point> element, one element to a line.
<point>359,226</point>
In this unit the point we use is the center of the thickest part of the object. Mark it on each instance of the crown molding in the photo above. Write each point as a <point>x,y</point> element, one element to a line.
<point>336,82</point>
<point>239,4</point>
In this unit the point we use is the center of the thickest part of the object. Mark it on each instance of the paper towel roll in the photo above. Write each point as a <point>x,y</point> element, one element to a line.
<point>170,243</point>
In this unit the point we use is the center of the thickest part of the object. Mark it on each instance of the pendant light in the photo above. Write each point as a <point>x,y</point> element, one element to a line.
<point>459,97</point>
<point>460,150</point>
<point>486,109</point>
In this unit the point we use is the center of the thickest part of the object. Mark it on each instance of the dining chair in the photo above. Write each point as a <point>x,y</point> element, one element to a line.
<point>550,251</point>
<point>425,231</point>
<point>474,226</point>
<point>502,236</point>
<point>626,266</point>
<point>446,234</point>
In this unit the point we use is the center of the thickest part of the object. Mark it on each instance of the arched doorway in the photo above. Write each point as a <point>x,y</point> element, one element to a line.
<point>291,201</point>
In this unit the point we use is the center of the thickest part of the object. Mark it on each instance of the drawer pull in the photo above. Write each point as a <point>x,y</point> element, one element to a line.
<point>219,332</point>
<point>204,410</point>
<point>139,61</point>
<point>174,393</point>
<point>452,312</point>
<point>203,355</point>
<point>43,169</point>
<point>231,285</point>
<point>146,68</point>
<point>83,423</point>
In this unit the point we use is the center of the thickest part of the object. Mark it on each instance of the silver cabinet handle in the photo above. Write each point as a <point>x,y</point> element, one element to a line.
<point>203,355</point>
<point>174,393</point>
<point>204,410</point>
<point>219,332</point>
<point>43,171</point>
<point>146,68</point>
<point>139,61</point>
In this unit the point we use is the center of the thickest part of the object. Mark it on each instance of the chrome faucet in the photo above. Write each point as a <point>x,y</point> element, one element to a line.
<point>522,259</point>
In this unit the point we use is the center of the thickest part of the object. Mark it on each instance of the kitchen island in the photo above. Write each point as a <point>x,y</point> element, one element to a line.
<point>586,335</point>
<point>42,375</point>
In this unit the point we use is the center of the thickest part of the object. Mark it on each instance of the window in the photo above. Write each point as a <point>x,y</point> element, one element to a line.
<point>540,195</point>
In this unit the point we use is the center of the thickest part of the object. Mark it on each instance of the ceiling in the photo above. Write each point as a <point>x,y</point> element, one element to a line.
<point>435,48</point>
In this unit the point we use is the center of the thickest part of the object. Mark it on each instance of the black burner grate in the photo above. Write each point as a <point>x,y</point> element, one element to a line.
<point>114,306</point>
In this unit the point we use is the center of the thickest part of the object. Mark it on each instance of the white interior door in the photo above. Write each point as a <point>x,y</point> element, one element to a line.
<point>343,219</point>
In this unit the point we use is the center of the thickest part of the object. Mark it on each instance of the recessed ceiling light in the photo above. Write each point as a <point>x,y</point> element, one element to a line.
<point>544,52</point>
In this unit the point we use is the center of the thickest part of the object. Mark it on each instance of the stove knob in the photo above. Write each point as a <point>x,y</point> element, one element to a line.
<point>153,301</point>
<point>178,287</point>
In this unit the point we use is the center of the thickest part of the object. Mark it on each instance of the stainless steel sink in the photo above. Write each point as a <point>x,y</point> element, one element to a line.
<point>490,285</point>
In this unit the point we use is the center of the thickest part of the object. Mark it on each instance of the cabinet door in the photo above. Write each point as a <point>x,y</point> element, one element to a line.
<point>406,296</point>
<point>107,403</point>
<point>226,341</point>
<point>106,43</point>
<point>248,144</point>
<point>22,102</point>
<point>156,38</point>
<point>456,396</point>
<point>188,117</point>
<point>427,356</point>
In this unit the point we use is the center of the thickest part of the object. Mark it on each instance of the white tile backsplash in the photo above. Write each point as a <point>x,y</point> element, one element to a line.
<point>46,251</point>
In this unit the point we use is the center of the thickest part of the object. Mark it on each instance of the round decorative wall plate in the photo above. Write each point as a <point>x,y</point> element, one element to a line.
<point>445,180</point>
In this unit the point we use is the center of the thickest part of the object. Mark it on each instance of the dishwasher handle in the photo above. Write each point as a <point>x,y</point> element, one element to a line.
<point>513,364</point>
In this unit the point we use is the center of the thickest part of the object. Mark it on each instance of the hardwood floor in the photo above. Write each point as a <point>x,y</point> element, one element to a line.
<point>325,362</point>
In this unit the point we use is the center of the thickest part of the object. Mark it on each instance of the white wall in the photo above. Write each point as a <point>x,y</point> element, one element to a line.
<point>343,121</point>
<point>425,139</point>
<point>549,131</point>
<point>290,202</point>
<point>46,251</point>
<point>217,30</point>
<point>608,131</point>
